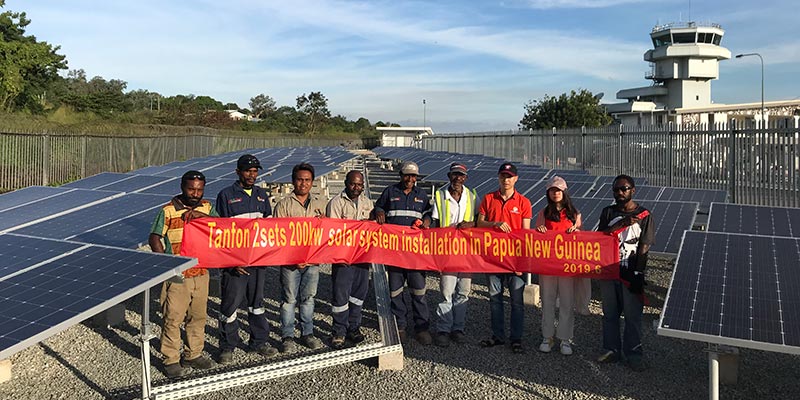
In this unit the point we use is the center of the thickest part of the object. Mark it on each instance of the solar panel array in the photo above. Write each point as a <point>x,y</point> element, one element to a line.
<point>756,220</point>
<point>65,252</point>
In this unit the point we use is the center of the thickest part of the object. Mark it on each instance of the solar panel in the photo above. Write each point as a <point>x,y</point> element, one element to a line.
<point>757,220</point>
<point>95,181</point>
<point>84,220</point>
<point>590,209</point>
<point>642,192</point>
<point>738,290</point>
<point>27,195</point>
<point>670,218</point>
<point>132,183</point>
<point>64,284</point>
<point>51,206</point>
<point>579,189</point>
<point>703,196</point>
<point>570,178</point>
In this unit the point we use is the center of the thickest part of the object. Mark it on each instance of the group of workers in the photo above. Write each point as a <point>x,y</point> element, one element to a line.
<point>184,299</point>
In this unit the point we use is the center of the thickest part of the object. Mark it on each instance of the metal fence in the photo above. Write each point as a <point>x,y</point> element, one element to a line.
<point>47,159</point>
<point>755,165</point>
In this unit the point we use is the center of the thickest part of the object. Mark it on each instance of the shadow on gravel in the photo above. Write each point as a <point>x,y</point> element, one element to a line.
<point>75,371</point>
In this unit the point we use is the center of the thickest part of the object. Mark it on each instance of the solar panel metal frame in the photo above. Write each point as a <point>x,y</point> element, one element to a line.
<point>708,338</point>
<point>104,304</point>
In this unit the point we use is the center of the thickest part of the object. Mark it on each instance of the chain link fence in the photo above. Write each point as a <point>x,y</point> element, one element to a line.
<point>47,159</point>
<point>755,165</point>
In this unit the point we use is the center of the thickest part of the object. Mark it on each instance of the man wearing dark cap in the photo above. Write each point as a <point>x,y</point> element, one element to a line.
<point>454,205</point>
<point>243,199</point>
<point>506,210</point>
<point>406,204</point>
<point>183,299</point>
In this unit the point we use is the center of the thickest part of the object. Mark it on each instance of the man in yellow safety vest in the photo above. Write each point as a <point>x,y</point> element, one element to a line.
<point>454,205</point>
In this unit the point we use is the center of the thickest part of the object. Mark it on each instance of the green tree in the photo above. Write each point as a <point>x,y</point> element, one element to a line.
<point>571,110</point>
<point>314,108</point>
<point>100,96</point>
<point>262,105</point>
<point>27,67</point>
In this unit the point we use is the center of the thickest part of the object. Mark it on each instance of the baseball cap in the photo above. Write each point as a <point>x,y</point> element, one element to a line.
<point>409,168</point>
<point>557,182</point>
<point>248,161</point>
<point>508,168</point>
<point>457,168</point>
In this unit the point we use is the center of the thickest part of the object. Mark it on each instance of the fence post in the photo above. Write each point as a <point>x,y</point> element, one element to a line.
<point>46,160</point>
<point>619,150</point>
<point>732,162</point>
<point>553,149</point>
<point>670,138</point>
<point>83,157</point>
<point>583,148</point>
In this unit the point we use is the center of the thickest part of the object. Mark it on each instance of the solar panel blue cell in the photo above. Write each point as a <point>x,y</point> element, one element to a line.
<point>47,207</point>
<point>70,282</point>
<point>170,187</point>
<point>590,209</point>
<point>84,220</point>
<point>703,196</point>
<point>27,195</point>
<point>96,181</point>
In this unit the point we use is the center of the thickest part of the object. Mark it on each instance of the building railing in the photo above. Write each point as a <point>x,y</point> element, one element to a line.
<point>755,165</point>
<point>47,159</point>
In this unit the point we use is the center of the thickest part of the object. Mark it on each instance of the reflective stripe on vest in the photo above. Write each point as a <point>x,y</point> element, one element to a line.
<point>443,206</point>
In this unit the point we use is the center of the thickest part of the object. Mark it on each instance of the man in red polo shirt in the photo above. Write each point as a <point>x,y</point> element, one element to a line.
<point>506,210</point>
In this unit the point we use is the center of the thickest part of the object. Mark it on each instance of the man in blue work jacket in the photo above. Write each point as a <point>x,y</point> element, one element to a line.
<point>406,204</point>
<point>243,199</point>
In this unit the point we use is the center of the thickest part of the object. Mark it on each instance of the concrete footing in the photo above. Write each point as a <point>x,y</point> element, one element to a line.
<point>531,295</point>
<point>5,370</point>
<point>390,362</point>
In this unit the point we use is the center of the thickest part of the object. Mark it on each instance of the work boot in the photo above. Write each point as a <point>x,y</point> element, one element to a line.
<point>198,363</point>
<point>311,342</point>
<point>226,357</point>
<point>266,350</point>
<point>442,339</point>
<point>174,371</point>
<point>424,338</point>
<point>355,337</point>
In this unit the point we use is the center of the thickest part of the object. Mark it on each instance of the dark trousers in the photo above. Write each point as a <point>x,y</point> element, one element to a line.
<point>416,285</point>
<point>350,285</point>
<point>234,289</point>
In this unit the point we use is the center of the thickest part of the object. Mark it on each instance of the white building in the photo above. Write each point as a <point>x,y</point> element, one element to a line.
<point>402,136</point>
<point>683,61</point>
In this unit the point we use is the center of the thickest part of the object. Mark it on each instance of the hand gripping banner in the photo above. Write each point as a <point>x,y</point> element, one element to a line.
<point>230,242</point>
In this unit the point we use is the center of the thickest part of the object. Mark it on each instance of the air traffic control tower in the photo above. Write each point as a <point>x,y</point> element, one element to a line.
<point>684,59</point>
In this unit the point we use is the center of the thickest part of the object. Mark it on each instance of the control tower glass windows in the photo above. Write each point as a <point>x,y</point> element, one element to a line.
<point>663,40</point>
<point>684,37</point>
<point>717,39</point>
<point>705,37</point>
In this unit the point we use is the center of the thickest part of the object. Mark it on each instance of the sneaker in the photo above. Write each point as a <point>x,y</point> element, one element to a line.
<point>403,335</point>
<point>266,350</point>
<point>226,357</point>
<point>337,342</point>
<point>636,364</point>
<point>442,339</point>
<point>458,337</point>
<point>311,342</point>
<point>424,338</point>
<point>288,345</point>
<point>608,357</point>
<point>355,337</point>
<point>566,348</point>
<point>198,363</point>
<point>174,371</point>
<point>547,345</point>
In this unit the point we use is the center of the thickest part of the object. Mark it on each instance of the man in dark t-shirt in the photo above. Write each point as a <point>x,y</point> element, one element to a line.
<point>634,226</point>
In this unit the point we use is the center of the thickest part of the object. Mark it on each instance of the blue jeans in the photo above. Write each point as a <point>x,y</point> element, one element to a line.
<point>618,300</point>
<point>516,287</point>
<point>452,312</point>
<point>298,284</point>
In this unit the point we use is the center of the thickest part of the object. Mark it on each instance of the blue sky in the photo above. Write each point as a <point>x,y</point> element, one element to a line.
<point>476,63</point>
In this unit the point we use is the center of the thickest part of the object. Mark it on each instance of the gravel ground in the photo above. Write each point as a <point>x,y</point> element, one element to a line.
<point>89,362</point>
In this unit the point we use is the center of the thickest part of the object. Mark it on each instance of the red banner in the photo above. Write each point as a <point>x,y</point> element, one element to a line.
<point>230,242</point>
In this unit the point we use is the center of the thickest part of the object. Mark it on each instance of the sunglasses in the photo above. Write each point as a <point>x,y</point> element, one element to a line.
<point>621,188</point>
<point>194,177</point>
